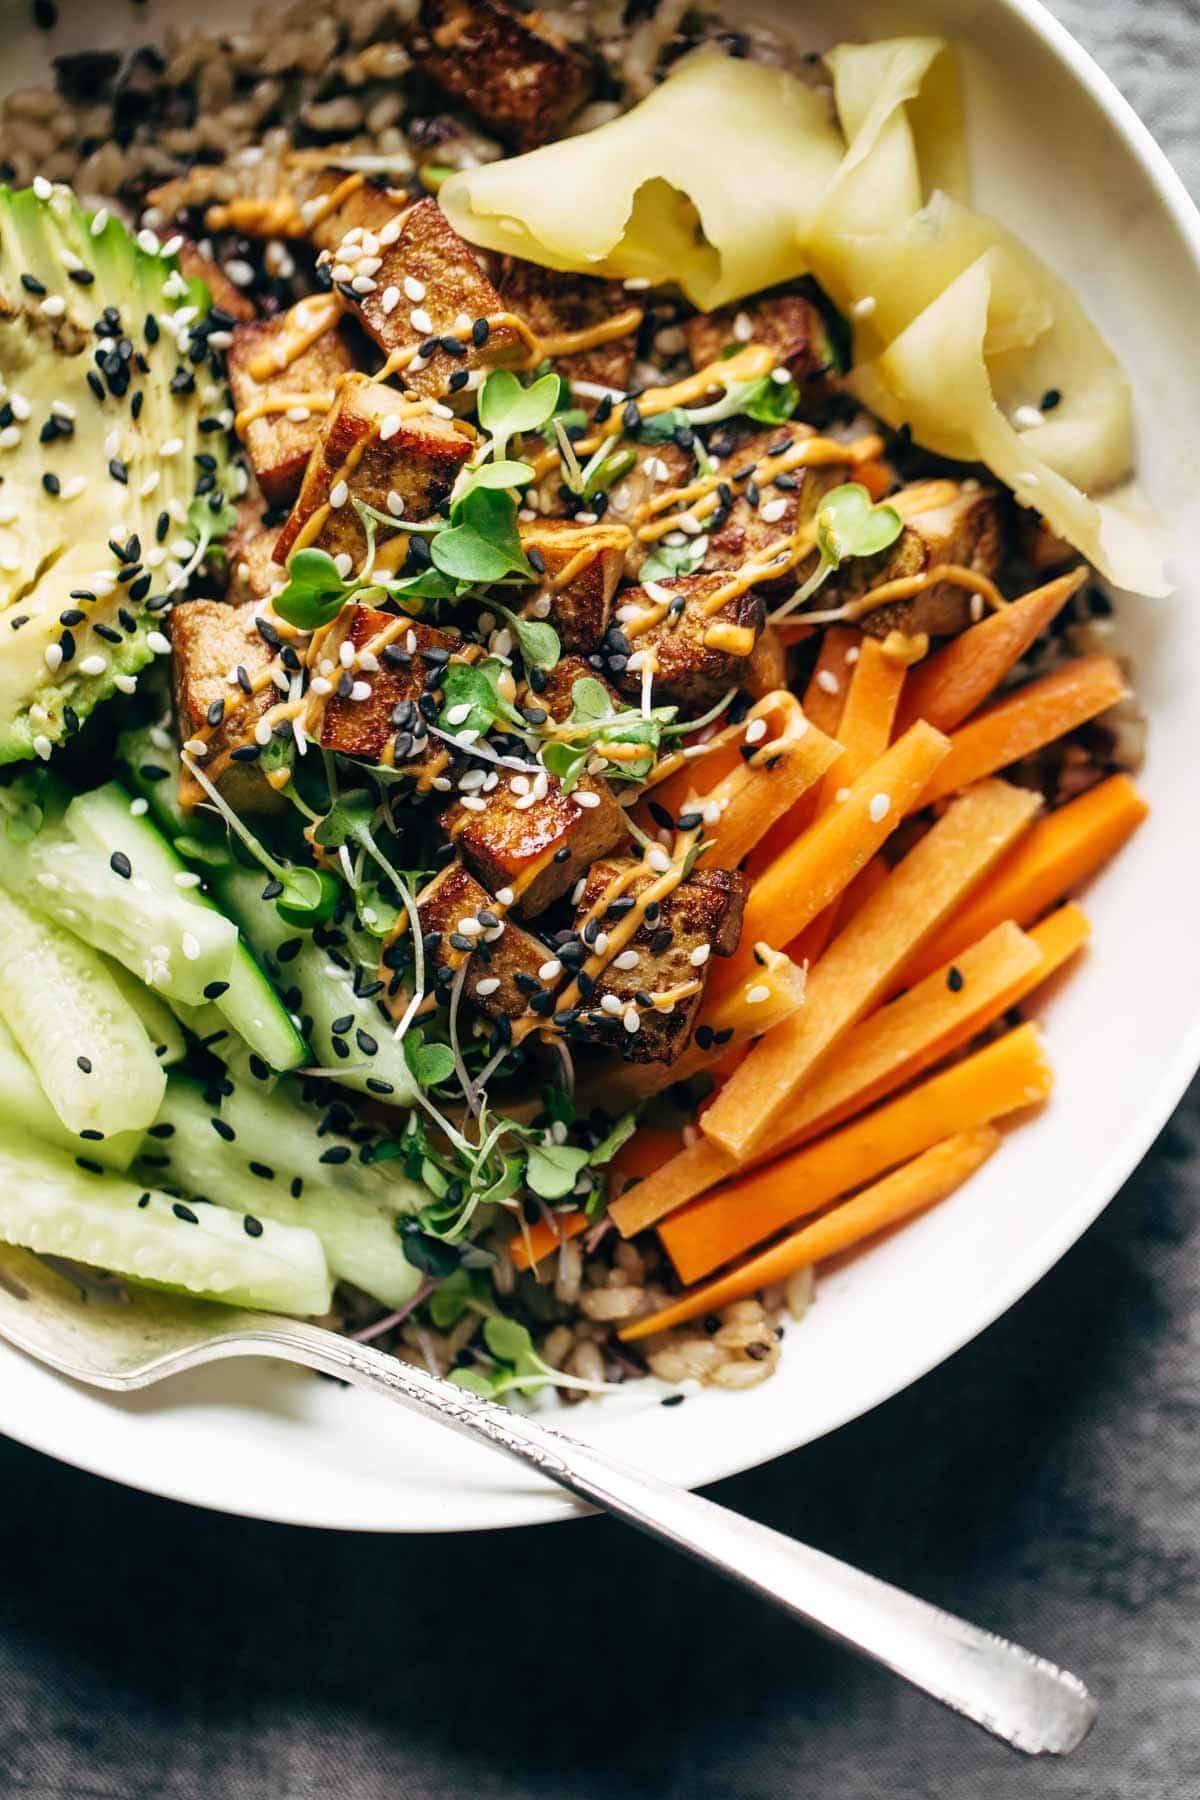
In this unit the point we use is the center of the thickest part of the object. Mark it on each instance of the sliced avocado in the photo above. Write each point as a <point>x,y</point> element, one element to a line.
<point>110,391</point>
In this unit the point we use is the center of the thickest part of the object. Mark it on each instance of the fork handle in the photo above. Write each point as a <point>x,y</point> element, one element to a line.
<point>1017,1696</point>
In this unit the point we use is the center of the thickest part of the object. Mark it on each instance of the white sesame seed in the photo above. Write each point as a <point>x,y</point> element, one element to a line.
<point>298,414</point>
<point>346,653</point>
<point>170,447</point>
<point>339,493</point>
<point>472,802</point>
<point>658,860</point>
<point>635,284</point>
<point>388,233</point>
<point>363,284</point>
<point>420,321</point>
<point>880,807</point>
<point>390,427</point>
<point>551,970</point>
<point>414,290</point>
<point>842,795</point>
<point>458,715</point>
<point>160,645</point>
<point>756,995</point>
<point>610,1004</point>
<point>487,986</point>
<point>10,437</point>
<point>630,1020</point>
<point>42,746</point>
<point>196,747</point>
<point>343,563</point>
<point>601,943</point>
<point>53,656</point>
<point>756,730</point>
<point>370,265</point>
<point>42,187</point>
<point>190,946</point>
<point>93,665</point>
<point>147,241</point>
<point>342,271</point>
<point>389,301</point>
<point>862,309</point>
<point>186,878</point>
<point>173,245</point>
<point>469,927</point>
<point>976,608</point>
<point>149,484</point>
<point>127,684</point>
<point>319,685</point>
<point>360,690</point>
<point>743,328</point>
<point>439,411</point>
<point>53,306</point>
<point>99,222</point>
<point>628,959</point>
<point>262,732</point>
<point>771,511</point>
<point>828,682</point>
<point>1027,417</point>
<point>395,503</point>
<point>584,798</point>
<point>139,808</point>
<point>700,955</point>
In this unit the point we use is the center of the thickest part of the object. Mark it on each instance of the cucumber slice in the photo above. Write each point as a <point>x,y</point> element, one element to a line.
<point>353,1218</point>
<point>372,1063</point>
<point>157,933</point>
<point>216,1035</point>
<point>162,1027</point>
<point>84,1041</point>
<point>50,1204</point>
<point>24,1107</point>
<point>101,821</point>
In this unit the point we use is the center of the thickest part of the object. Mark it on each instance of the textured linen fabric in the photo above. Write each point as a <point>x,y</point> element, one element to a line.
<point>1045,1482</point>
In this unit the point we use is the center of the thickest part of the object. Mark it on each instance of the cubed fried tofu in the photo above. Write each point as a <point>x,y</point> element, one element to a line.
<point>198,267</point>
<point>515,72</point>
<point>209,641</point>
<point>702,917</point>
<point>408,472</point>
<point>945,522</point>
<point>254,573</point>
<point>788,323</point>
<point>278,443</point>
<point>764,515</point>
<point>495,960</point>
<point>555,695</point>
<point>656,468</point>
<point>460,319</point>
<point>539,849</point>
<point>389,712</point>
<point>582,564</point>
<point>696,654</point>
<point>558,306</point>
<point>335,203</point>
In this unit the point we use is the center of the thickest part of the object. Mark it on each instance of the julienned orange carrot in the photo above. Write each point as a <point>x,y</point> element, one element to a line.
<point>1005,1076</point>
<point>888,1049</point>
<point>823,700</point>
<point>856,970</point>
<point>1061,851</point>
<point>947,688</point>
<point>864,733</point>
<point>909,1189</point>
<point>645,1152</point>
<point>543,1238</point>
<point>787,763</point>
<point>1026,720</point>
<point>815,868</point>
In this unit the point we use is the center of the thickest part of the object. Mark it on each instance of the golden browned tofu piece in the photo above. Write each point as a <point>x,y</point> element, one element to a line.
<point>787,322</point>
<point>514,71</point>
<point>765,513</point>
<point>538,848</point>
<point>696,654</point>
<point>254,573</point>
<point>581,566</point>
<point>458,324</point>
<point>405,652</point>
<point>944,523</point>
<point>198,267</point>
<point>280,412</point>
<point>502,964</point>
<point>562,307</point>
<point>657,469</point>
<point>210,642</point>
<point>555,697</point>
<point>360,203</point>
<point>700,919</point>
<point>374,447</point>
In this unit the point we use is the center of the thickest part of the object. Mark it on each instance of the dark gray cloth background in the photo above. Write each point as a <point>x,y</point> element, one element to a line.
<point>1043,1482</point>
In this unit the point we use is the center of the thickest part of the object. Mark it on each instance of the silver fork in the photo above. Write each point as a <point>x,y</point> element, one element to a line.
<point>1012,1693</point>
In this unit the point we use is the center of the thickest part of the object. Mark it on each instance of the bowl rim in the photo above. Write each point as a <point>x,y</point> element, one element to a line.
<point>506,1511</point>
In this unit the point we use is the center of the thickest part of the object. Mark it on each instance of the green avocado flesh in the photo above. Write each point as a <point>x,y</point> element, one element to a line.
<point>86,467</point>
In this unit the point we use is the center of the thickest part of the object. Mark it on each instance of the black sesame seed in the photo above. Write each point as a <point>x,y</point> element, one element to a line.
<point>263,1171</point>
<point>90,1167</point>
<point>672,1399</point>
<point>1050,399</point>
<point>222,1129</point>
<point>289,949</point>
<point>184,1213</point>
<point>83,1064</point>
<point>336,1153</point>
<point>253,1227</point>
<point>955,981</point>
<point>246,753</point>
<point>216,712</point>
<point>120,864</point>
<point>51,483</point>
<point>479,333</point>
<point>536,560</point>
<point>32,285</point>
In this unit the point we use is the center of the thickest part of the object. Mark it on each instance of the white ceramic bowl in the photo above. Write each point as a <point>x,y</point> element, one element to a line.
<point>1057,154</point>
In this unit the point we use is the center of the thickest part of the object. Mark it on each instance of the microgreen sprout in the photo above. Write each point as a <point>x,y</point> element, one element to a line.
<point>848,524</point>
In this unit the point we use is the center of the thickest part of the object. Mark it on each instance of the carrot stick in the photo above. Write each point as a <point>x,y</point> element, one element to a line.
<point>1026,720</point>
<point>856,970</point>
<point>546,1236</point>
<point>645,1152</point>
<point>823,700</point>
<point>1060,852</point>
<point>771,993</point>
<point>815,868</point>
<point>1005,1076</point>
<point>894,1045</point>
<point>947,688</point>
<point>753,795</point>
<point>909,1189</point>
<point>864,734</point>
